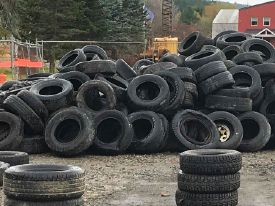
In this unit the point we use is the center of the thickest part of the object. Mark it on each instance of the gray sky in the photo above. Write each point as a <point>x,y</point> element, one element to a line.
<point>249,2</point>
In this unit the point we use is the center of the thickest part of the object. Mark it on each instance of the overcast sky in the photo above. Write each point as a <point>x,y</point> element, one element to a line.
<point>249,2</point>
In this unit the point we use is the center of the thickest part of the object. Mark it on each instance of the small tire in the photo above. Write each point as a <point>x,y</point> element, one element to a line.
<point>71,59</point>
<point>91,51</point>
<point>186,74</point>
<point>250,57</point>
<point>124,70</point>
<point>158,67</point>
<point>235,38</point>
<point>210,162</point>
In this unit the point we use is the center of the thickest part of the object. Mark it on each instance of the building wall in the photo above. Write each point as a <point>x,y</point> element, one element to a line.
<point>217,28</point>
<point>259,11</point>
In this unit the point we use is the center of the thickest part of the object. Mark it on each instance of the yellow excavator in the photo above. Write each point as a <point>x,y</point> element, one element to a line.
<point>159,46</point>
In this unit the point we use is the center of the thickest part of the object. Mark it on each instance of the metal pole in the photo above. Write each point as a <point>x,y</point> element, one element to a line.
<point>12,54</point>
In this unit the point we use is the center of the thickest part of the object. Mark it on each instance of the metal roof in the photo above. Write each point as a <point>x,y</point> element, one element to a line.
<point>248,7</point>
<point>227,16</point>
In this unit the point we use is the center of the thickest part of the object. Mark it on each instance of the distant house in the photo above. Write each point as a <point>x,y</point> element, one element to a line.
<point>257,20</point>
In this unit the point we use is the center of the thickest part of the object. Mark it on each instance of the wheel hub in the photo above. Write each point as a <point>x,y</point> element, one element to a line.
<point>224,132</point>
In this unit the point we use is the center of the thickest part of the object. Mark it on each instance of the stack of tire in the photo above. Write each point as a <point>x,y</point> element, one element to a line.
<point>41,185</point>
<point>209,95</point>
<point>209,177</point>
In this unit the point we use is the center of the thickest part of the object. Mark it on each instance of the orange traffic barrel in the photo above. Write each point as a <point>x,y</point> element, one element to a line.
<point>3,78</point>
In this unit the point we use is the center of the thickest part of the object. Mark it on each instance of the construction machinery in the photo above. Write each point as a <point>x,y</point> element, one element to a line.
<point>159,46</point>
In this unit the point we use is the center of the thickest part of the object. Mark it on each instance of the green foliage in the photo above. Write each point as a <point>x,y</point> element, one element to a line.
<point>8,17</point>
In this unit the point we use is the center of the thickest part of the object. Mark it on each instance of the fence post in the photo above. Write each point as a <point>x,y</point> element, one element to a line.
<point>12,57</point>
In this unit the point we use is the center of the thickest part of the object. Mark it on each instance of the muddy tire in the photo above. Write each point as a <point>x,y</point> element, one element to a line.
<point>91,51</point>
<point>34,103</point>
<point>178,60</point>
<point>257,131</point>
<point>208,183</point>
<point>249,57</point>
<point>7,85</point>
<point>148,92</point>
<point>11,131</point>
<point>235,38</point>
<point>29,182</point>
<point>71,59</point>
<point>208,70</point>
<point>54,93</point>
<point>113,132</point>
<point>70,132</point>
<point>89,98</point>
<point>33,145</point>
<point>231,51</point>
<point>124,70</point>
<point>20,108</point>
<point>210,162</point>
<point>230,129</point>
<point>140,64</point>
<point>14,158</point>
<point>158,67</point>
<point>195,130</point>
<point>186,74</point>
<point>148,133</point>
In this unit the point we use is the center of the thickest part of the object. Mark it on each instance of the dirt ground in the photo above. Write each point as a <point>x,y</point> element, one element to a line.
<point>150,180</point>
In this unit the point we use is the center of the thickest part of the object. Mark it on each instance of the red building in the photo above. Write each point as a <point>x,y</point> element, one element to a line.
<point>259,20</point>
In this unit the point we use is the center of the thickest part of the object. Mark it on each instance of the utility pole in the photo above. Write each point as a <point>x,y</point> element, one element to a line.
<point>167,15</point>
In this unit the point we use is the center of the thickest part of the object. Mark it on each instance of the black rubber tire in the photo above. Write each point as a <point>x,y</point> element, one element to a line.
<point>203,57</point>
<point>158,67</point>
<point>44,182</point>
<point>178,60</point>
<point>94,67</point>
<point>7,85</point>
<point>267,106</point>
<point>34,103</point>
<point>71,59</point>
<point>122,107</point>
<point>208,183</point>
<point>235,38</point>
<point>14,158</point>
<point>191,135</point>
<point>254,140</point>
<point>52,99</point>
<point>117,83</point>
<point>230,104</point>
<point>216,82</point>
<point>250,57</point>
<point>20,108</point>
<point>257,101</point>
<point>192,44</point>
<point>186,74</point>
<point>33,145</point>
<point>222,34</point>
<point>165,125</point>
<point>242,92</point>
<point>124,70</point>
<point>113,132</point>
<point>91,51</point>
<point>194,199</point>
<point>210,69</point>
<point>88,96</point>
<point>73,202</point>
<point>141,63</point>
<point>11,131</point>
<point>243,74</point>
<point>3,167</point>
<point>135,95</point>
<point>70,132</point>
<point>76,78</point>
<point>231,51</point>
<point>148,132</point>
<point>188,101</point>
<point>191,88</point>
<point>229,64</point>
<point>262,46</point>
<point>232,123</point>
<point>266,71</point>
<point>210,162</point>
<point>176,87</point>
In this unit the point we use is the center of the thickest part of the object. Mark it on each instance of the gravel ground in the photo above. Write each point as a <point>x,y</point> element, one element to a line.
<point>150,180</point>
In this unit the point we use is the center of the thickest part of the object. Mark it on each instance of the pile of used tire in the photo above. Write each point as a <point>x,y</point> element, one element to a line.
<point>217,93</point>
<point>44,185</point>
<point>209,177</point>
